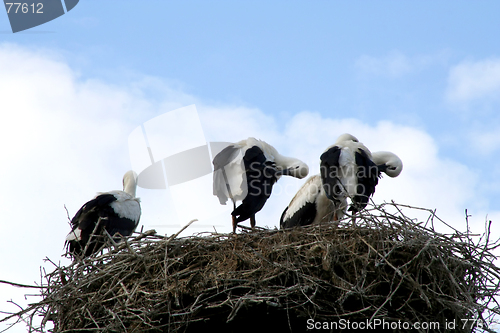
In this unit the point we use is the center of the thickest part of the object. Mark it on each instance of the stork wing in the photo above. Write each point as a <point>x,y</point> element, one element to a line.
<point>302,209</point>
<point>329,171</point>
<point>261,175</point>
<point>367,175</point>
<point>229,175</point>
<point>90,212</point>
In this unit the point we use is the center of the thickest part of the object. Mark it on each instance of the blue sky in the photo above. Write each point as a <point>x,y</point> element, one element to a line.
<point>421,79</point>
<point>286,57</point>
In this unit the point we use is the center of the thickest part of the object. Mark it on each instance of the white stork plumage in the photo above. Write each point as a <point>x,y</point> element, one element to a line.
<point>246,171</point>
<point>310,205</point>
<point>117,212</point>
<point>348,170</point>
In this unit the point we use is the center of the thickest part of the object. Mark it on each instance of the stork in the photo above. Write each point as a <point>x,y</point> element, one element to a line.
<point>310,205</point>
<point>348,170</point>
<point>246,171</point>
<point>116,212</point>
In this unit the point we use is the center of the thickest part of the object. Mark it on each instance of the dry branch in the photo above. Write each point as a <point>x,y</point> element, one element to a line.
<point>386,267</point>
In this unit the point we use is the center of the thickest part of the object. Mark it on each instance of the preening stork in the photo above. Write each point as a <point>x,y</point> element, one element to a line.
<point>348,170</point>
<point>246,171</point>
<point>117,212</point>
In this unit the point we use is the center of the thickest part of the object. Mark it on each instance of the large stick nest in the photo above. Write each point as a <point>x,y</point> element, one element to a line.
<point>385,269</point>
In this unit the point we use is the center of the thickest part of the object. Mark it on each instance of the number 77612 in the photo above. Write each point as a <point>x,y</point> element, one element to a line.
<point>25,8</point>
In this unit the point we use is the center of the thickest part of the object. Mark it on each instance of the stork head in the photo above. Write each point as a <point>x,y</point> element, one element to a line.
<point>347,137</point>
<point>388,162</point>
<point>130,182</point>
<point>295,168</point>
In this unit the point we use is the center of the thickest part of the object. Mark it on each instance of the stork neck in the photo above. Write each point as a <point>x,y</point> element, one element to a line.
<point>130,187</point>
<point>294,167</point>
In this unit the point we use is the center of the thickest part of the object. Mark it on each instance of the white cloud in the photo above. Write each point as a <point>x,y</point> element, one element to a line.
<point>470,81</point>
<point>427,179</point>
<point>234,123</point>
<point>484,142</point>
<point>396,64</point>
<point>63,139</point>
<point>393,65</point>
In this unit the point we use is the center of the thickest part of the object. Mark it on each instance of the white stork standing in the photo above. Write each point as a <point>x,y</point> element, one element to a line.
<point>117,212</point>
<point>348,169</point>
<point>246,171</point>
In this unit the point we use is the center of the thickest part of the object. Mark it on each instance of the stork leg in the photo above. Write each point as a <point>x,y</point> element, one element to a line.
<point>354,220</point>
<point>234,218</point>
<point>234,224</point>
<point>252,221</point>
<point>335,217</point>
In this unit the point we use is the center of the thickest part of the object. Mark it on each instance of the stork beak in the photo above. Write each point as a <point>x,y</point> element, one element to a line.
<point>284,172</point>
<point>382,167</point>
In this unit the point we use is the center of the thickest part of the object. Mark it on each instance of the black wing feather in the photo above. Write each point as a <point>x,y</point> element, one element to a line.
<point>86,219</point>
<point>89,213</point>
<point>304,216</point>
<point>261,176</point>
<point>329,170</point>
<point>122,226</point>
<point>367,175</point>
